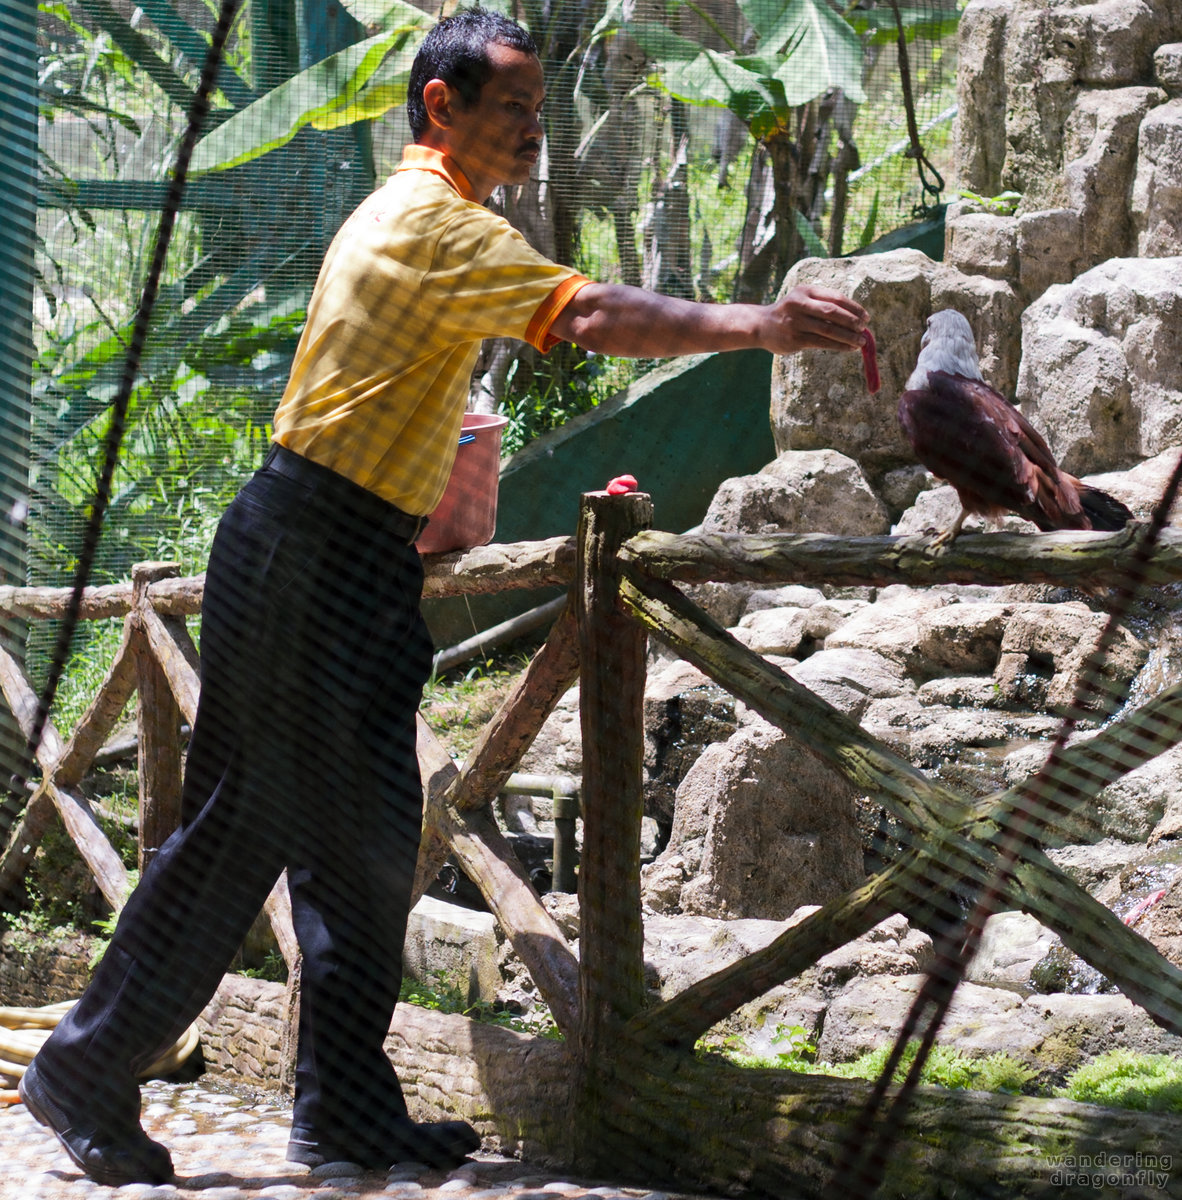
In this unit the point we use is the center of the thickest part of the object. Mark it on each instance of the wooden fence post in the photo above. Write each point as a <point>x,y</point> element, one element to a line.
<point>611,655</point>
<point>159,726</point>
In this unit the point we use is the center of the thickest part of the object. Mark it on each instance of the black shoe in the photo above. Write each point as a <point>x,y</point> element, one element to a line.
<point>432,1143</point>
<point>110,1157</point>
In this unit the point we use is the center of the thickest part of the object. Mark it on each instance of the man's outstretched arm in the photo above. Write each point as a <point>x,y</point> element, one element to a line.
<point>633,323</point>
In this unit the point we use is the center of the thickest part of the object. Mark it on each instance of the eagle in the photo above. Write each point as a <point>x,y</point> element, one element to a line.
<point>970,435</point>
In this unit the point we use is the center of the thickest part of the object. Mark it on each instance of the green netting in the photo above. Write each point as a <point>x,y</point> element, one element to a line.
<point>654,174</point>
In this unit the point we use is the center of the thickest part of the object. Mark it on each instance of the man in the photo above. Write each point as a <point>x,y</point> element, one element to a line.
<point>314,652</point>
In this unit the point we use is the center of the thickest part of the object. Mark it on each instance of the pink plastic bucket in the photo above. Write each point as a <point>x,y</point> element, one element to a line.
<point>467,514</point>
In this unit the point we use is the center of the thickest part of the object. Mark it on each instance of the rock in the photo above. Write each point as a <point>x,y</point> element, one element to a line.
<point>1100,150</point>
<point>558,748</point>
<point>850,679</point>
<point>1055,54</point>
<point>725,602</point>
<point>1157,187</point>
<point>889,627</point>
<point>869,1012</point>
<point>823,618</point>
<point>684,711</point>
<point>1127,810</point>
<point>454,943</point>
<point>979,135</point>
<point>773,631</point>
<point>1142,486</point>
<point>819,401</point>
<point>1092,865</point>
<point>961,639</point>
<point>1050,250</point>
<point>760,828</point>
<point>934,511</point>
<point>682,950</point>
<point>1053,1034</point>
<point>958,691</point>
<point>1101,378</point>
<point>1167,67</point>
<point>899,488</point>
<point>1011,944</point>
<point>791,595</point>
<point>1044,650</point>
<point>799,491</point>
<point>982,243</point>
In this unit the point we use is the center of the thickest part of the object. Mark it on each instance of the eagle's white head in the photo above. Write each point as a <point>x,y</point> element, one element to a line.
<point>947,345</point>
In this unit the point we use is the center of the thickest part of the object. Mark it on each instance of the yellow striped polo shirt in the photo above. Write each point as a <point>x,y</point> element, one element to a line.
<point>413,281</point>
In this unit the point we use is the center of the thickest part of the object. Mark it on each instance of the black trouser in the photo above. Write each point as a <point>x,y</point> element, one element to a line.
<point>303,756</point>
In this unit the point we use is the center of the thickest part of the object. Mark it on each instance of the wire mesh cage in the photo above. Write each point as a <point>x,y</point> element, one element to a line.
<point>697,150</point>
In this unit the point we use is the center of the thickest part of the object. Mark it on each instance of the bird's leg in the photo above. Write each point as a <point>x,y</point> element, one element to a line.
<point>941,542</point>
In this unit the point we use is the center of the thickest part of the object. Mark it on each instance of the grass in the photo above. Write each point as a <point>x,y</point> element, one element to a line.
<point>444,994</point>
<point>458,703</point>
<point>1118,1079</point>
<point>1122,1079</point>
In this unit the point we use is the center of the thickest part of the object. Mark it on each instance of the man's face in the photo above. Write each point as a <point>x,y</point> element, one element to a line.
<point>498,139</point>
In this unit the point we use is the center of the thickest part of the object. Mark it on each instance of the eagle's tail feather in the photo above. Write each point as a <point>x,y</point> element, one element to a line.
<point>1104,511</point>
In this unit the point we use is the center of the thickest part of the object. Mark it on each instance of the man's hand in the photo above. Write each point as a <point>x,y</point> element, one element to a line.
<point>631,323</point>
<point>814,318</point>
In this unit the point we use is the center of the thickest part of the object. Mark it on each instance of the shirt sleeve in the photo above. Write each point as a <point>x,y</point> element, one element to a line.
<point>486,280</point>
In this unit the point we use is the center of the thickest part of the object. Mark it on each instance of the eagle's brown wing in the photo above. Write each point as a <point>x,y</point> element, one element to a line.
<point>967,433</point>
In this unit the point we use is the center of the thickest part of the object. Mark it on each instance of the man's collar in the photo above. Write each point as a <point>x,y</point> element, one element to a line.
<point>427,158</point>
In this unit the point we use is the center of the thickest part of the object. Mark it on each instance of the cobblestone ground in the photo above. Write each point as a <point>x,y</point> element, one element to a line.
<point>229,1145</point>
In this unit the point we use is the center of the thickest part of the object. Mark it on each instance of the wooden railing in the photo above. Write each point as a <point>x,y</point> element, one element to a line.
<point>639,1098</point>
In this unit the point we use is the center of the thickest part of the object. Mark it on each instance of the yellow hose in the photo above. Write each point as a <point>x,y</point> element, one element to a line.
<point>23,1031</point>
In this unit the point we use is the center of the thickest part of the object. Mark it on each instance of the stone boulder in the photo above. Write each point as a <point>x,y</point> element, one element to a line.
<point>1101,376</point>
<point>1140,487</point>
<point>1100,149</point>
<point>1128,810</point>
<point>1053,53</point>
<point>979,133</point>
<point>1052,1034</point>
<point>1012,944</point>
<point>1157,187</point>
<point>760,828</point>
<point>1167,67</point>
<point>798,492</point>
<point>1043,652</point>
<point>682,950</point>
<point>819,400</point>
<point>684,711</point>
<point>851,679</point>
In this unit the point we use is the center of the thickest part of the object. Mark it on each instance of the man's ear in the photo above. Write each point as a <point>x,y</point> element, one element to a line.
<point>439,100</point>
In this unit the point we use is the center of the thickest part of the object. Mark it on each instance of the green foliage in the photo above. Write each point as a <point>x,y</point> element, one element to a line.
<point>542,397</point>
<point>945,1067</point>
<point>444,994</point>
<point>359,83</point>
<point>273,968</point>
<point>1122,1079</point>
<point>1004,204</point>
<point>879,27</point>
<point>106,925</point>
<point>804,49</point>
<point>26,931</point>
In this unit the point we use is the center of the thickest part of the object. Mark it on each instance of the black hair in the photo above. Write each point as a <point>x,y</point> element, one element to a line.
<point>456,51</point>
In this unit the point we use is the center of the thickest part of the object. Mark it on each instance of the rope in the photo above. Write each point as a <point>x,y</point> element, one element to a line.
<point>934,186</point>
<point>198,111</point>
